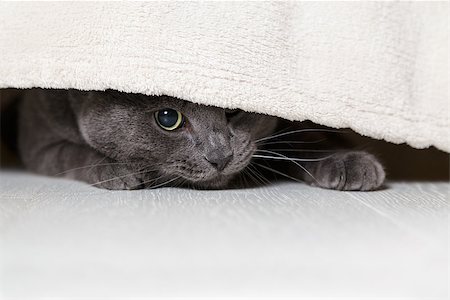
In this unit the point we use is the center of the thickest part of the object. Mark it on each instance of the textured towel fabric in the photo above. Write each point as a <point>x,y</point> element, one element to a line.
<point>379,68</point>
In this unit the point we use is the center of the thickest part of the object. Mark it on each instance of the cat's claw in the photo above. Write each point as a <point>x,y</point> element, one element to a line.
<point>350,171</point>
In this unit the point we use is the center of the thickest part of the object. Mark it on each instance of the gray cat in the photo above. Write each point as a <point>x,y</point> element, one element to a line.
<point>118,141</point>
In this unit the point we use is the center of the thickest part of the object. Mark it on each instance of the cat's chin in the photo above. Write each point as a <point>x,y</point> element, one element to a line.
<point>219,182</point>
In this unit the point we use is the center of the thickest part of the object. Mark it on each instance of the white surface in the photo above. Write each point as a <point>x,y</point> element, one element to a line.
<point>380,68</point>
<point>64,238</point>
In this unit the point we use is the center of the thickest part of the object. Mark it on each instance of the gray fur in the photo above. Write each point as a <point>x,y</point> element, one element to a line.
<point>111,140</point>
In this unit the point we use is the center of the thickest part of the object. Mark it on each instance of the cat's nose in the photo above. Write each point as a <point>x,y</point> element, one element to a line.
<point>218,160</point>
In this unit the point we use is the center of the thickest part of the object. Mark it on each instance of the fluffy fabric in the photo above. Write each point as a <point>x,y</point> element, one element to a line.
<point>380,68</point>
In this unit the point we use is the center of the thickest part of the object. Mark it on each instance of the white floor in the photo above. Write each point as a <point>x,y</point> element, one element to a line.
<point>63,238</point>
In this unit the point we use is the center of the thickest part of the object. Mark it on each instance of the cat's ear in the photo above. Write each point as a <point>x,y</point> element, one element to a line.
<point>232,113</point>
<point>78,95</point>
<point>73,92</point>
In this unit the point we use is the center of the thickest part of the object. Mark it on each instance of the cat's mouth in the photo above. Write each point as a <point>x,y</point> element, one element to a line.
<point>204,174</point>
<point>218,182</point>
<point>203,177</point>
<point>206,180</point>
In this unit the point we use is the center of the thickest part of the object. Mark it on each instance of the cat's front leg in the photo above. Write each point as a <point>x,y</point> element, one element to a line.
<point>347,171</point>
<point>83,163</point>
<point>113,175</point>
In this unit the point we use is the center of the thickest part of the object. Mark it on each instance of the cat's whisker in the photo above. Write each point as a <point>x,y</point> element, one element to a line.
<point>290,158</point>
<point>298,131</point>
<point>282,130</point>
<point>164,183</point>
<point>119,177</point>
<point>279,173</point>
<point>258,174</point>
<point>294,158</point>
<point>292,142</point>
<point>252,177</point>
<point>182,183</point>
<point>306,150</point>
<point>92,166</point>
<point>241,180</point>
<point>152,180</point>
<point>293,161</point>
<point>244,177</point>
<point>261,179</point>
<point>279,154</point>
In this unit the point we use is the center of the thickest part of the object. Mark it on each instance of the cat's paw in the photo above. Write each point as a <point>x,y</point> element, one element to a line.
<point>117,177</point>
<point>350,171</point>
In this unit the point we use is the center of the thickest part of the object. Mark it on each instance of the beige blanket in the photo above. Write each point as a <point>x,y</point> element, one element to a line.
<point>380,68</point>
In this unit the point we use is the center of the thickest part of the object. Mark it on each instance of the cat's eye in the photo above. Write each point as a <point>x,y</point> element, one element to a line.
<point>169,119</point>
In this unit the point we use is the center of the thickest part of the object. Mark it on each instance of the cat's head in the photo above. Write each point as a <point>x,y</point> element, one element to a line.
<point>204,145</point>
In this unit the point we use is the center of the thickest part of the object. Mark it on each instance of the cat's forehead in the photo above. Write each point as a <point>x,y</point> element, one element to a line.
<point>167,102</point>
<point>186,106</point>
